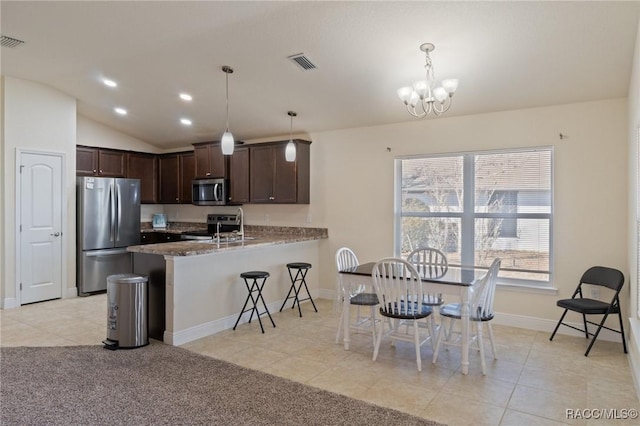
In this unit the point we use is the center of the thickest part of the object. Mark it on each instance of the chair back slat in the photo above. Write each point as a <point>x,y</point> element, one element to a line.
<point>429,262</point>
<point>484,290</point>
<point>346,259</point>
<point>398,286</point>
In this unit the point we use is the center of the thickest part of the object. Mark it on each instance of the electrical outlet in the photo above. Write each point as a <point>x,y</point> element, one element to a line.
<point>308,217</point>
<point>595,293</point>
<point>266,218</point>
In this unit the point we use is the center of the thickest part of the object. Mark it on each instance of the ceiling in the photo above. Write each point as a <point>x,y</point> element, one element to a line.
<point>507,55</point>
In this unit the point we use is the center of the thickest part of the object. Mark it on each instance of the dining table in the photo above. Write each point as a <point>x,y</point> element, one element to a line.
<point>456,281</point>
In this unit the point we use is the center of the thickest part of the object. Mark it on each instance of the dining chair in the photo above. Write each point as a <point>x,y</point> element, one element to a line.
<point>480,311</point>
<point>358,297</point>
<point>595,276</point>
<point>430,263</point>
<point>399,288</point>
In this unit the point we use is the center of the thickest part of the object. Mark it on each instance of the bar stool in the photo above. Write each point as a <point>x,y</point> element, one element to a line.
<point>301,272</point>
<point>255,287</point>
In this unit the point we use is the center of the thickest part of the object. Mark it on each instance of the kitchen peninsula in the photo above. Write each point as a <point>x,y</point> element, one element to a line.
<point>195,288</point>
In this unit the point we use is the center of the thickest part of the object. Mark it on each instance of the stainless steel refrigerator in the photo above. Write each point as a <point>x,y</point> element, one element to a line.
<point>108,220</point>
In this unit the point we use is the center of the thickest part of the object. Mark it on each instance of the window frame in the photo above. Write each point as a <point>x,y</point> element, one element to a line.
<point>468,218</point>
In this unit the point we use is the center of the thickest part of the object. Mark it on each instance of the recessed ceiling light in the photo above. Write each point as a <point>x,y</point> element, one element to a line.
<point>109,83</point>
<point>185,121</point>
<point>120,111</point>
<point>185,96</point>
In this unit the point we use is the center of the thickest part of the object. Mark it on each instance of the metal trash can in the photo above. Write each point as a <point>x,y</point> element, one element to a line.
<point>127,311</point>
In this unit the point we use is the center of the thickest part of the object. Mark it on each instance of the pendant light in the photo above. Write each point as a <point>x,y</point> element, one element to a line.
<point>290,150</point>
<point>227,142</point>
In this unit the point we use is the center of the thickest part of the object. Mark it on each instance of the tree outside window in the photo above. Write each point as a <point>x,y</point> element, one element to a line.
<point>505,211</point>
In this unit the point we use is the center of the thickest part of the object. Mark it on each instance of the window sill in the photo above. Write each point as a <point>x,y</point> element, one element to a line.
<point>524,288</point>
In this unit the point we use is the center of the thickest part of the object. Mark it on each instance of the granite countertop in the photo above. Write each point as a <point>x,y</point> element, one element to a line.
<point>256,236</point>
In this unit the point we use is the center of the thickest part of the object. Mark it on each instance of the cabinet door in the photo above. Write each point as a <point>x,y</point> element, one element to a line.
<point>239,176</point>
<point>217,161</point>
<point>210,163</point>
<point>201,153</point>
<point>187,174</point>
<point>167,237</point>
<point>86,161</point>
<point>144,167</point>
<point>111,163</point>
<point>261,174</point>
<point>148,238</point>
<point>169,179</point>
<point>285,187</point>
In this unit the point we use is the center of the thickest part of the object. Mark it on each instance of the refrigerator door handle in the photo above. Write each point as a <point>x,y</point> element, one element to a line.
<point>98,253</point>
<point>113,212</point>
<point>119,198</point>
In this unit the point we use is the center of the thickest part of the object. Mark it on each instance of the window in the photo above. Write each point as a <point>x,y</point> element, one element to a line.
<point>479,206</point>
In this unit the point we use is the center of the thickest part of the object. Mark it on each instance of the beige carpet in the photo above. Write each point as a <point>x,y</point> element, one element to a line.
<point>164,385</point>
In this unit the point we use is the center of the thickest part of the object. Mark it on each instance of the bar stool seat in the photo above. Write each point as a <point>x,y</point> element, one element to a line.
<point>254,286</point>
<point>301,269</point>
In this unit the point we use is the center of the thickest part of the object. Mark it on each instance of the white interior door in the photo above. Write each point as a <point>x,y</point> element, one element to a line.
<point>40,226</point>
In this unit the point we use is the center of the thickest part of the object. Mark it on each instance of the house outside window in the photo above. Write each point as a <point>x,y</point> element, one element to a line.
<point>479,206</point>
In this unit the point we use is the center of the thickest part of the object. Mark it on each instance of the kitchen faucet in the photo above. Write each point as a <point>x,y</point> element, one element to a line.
<point>240,220</point>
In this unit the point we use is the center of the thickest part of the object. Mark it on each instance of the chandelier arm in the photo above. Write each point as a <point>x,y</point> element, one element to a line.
<point>412,111</point>
<point>444,106</point>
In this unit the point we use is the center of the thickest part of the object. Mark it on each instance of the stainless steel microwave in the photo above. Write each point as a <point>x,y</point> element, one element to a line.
<point>209,192</point>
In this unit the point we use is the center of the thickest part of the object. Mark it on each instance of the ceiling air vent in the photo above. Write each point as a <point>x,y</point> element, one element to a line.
<point>10,41</point>
<point>303,62</point>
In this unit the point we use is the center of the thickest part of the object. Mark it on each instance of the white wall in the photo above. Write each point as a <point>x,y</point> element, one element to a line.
<point>92,133</point>
<point>632,243</point>
<point>39,118</point>
<point>353,174</point>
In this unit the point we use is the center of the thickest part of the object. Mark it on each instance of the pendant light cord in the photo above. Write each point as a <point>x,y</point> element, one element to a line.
<point>291,128</point>
<point>227,78</point>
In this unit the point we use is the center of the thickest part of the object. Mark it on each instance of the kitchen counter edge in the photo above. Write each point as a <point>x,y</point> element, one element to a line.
<point>194,248</point>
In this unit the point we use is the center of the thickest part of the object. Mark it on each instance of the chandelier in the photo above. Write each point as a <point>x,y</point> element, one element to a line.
<point>424,98</point>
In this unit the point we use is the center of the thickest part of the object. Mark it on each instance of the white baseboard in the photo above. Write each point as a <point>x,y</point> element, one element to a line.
<point>9,303</point>
<point>520,321</point>
<point>12,302</point>
<point>634,351</point>
<point>212,327</point>
<point>542,324</point>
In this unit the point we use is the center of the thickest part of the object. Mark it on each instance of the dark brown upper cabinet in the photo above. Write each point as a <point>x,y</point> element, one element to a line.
<point>210,162</point>
<point>273,180</point>
<point>187,175</point>
<point>239,176</point>
<point>103,162</point>
<point>176,174</point>
<point>144,166</point>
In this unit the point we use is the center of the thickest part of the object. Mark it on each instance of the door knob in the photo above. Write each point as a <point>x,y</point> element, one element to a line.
<point>55,234</point>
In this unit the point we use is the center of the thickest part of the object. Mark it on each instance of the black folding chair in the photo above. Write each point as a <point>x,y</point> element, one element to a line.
<point>598,276</point>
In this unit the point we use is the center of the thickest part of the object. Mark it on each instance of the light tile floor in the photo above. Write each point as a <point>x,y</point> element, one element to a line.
<point>533,382</point>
